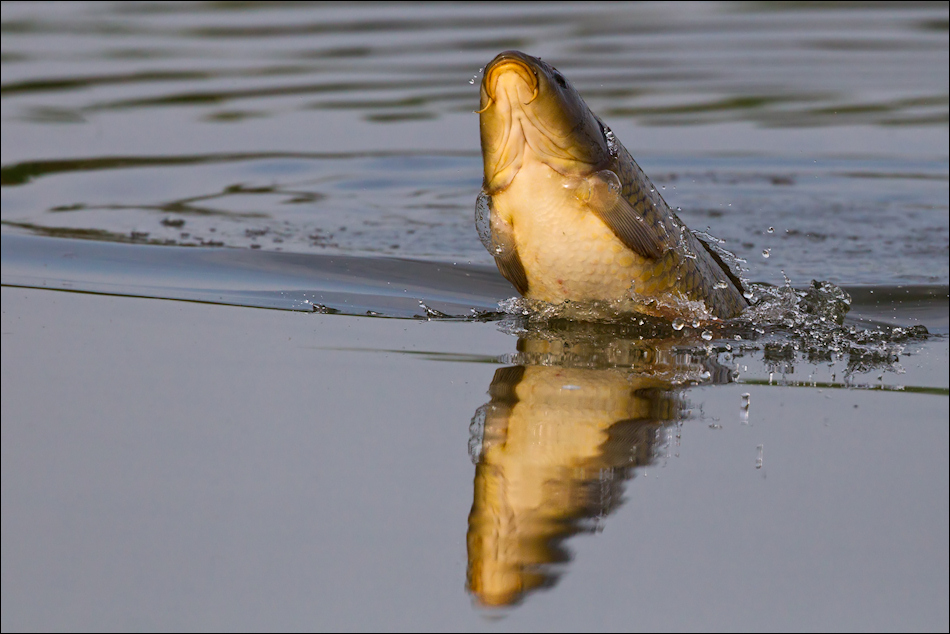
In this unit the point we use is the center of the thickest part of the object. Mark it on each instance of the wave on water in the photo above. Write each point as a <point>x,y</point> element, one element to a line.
<point>860,330</point>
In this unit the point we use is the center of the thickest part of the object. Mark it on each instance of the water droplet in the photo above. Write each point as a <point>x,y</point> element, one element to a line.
<point>707,335</point>
<point>744,408</point>
<point>720,284</point>
<point>471,81</point>
<point>613,181</point>
<point>766,253</point>
<point>758,459</point>
<point>483,222</point>
<point>771,229</point>
<point>748,294</point>
<point>678,324</point>
<point>611,141</point>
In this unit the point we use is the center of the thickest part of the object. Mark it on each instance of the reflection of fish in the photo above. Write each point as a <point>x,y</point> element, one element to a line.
<point>557,441</point>
<point>569,215</point>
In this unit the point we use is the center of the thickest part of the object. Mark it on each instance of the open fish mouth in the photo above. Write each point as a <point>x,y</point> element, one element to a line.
<point>527,107</point>
<point>509,62</point>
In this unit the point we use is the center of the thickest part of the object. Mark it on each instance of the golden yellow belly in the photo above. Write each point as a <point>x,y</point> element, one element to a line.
<point>567,252</point>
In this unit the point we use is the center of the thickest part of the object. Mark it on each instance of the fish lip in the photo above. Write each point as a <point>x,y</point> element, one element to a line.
<point>514,61</point>
<point>499,114</point>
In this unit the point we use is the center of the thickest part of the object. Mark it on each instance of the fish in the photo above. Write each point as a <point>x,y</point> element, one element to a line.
<point>568,214</point>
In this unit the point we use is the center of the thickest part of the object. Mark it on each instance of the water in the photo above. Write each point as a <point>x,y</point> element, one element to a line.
<point>202,464</point>
<point>348,131</point>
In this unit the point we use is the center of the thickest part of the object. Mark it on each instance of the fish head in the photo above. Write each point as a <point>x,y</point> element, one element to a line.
<point>530,111</point>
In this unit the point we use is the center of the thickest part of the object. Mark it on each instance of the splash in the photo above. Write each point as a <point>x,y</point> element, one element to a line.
<point>787,325</point>
<point>812,324</point>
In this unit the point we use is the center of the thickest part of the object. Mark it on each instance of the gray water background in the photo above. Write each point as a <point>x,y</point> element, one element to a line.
<point>180,465</point>
<point>336,129</point>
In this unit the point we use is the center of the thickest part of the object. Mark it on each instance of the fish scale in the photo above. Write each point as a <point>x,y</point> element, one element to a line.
<point>696,278</point>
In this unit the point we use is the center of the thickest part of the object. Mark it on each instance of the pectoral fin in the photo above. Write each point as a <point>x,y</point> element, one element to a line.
<point>509,263</point>
<point>602,191</point>
<point>506,253</point>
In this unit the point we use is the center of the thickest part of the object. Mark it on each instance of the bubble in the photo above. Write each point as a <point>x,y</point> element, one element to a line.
<point>771,229</point>
<point>766,253</point>
<point>707,335</point>
<point>678,324</point>
<point>721,284</point>
<point>744,408</point>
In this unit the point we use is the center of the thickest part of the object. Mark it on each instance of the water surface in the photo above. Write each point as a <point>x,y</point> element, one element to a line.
<point>384,446</point>
<point>318,128</point>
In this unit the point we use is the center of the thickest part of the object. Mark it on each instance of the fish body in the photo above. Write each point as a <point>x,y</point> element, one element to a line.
<point>570,216</point>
